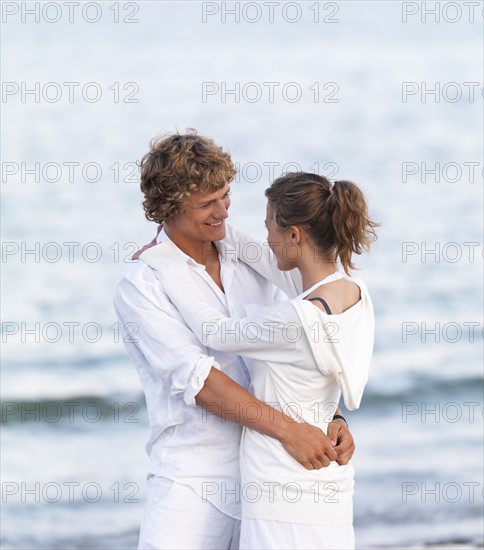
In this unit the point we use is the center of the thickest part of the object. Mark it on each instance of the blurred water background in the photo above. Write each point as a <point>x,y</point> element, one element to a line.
<point>73,417</point>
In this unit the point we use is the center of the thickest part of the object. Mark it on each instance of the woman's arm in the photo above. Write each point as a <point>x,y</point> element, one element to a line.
<point>255,253</point>
<point>275,330</point>
<point>260,257</point>
<point>271,331</point>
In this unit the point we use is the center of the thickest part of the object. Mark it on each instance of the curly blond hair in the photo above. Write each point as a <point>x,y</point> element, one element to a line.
<point>175,166</point>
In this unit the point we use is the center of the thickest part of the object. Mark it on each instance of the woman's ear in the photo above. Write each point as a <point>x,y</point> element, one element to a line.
<point>295,234</point>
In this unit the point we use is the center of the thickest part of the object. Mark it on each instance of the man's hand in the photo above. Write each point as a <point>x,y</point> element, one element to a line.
<point>343,441</point>
<point>309,445</point>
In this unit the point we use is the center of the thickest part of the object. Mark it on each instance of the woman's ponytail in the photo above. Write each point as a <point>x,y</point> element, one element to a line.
<point>354,231</point>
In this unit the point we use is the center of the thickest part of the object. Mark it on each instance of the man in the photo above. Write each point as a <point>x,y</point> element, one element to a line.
<point>197,398</point>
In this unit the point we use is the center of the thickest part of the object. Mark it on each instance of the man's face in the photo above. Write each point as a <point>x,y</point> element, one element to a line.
<point>203,219</point>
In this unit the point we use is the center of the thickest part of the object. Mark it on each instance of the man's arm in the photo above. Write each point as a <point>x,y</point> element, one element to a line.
<point>178,361</point>
<point>158,338</point>
<point>307,444</point>
<point>262,337</point>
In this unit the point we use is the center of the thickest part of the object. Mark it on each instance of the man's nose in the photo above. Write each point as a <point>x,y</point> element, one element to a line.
<point>221,210</point>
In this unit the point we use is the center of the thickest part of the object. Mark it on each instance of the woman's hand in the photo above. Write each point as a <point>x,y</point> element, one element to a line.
<point>342,440</point>
<point>138,253</point>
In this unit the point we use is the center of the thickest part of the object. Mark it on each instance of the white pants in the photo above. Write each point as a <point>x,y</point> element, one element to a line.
<point>177,518</point>
<point>261,534</point>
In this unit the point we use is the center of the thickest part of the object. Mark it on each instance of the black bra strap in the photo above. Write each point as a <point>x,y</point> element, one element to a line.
<point>326,307</point>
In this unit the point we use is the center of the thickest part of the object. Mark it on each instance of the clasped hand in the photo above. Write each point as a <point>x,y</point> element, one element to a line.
<point>312,448</point>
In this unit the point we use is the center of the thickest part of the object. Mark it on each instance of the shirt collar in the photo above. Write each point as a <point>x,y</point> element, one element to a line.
<point>227,253</point>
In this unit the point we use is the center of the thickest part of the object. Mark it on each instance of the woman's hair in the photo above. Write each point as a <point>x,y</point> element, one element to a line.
<point>178,164</point>
<point>334,216</point>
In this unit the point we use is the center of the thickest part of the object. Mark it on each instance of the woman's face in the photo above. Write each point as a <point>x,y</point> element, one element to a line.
<point>285,250</point>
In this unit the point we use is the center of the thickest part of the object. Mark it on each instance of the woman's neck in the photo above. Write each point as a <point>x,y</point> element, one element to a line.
<point>314,271</point>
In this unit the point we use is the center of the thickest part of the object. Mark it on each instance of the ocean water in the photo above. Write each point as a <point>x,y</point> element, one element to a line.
<point>74,422</point>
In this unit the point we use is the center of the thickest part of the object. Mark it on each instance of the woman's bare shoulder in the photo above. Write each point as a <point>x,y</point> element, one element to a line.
<point>339,295</point>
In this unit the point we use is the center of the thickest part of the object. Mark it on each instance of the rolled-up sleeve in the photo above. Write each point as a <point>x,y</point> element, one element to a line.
<point>158,340</point>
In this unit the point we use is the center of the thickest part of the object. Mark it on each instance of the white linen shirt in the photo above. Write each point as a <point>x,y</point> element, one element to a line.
<point>302,360</point>
<point>186,443</point>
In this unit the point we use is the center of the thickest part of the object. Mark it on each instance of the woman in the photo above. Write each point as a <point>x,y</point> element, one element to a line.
<point>305,352</point>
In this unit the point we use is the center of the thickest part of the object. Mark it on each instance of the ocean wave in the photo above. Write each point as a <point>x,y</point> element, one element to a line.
<point>417,388</point>
<point>69,408</point>
<point>129,539</point>
<point>461,543</point>
<point>89,408</point>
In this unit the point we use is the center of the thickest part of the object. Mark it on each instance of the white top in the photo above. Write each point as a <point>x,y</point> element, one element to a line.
<point>186,444</point>
<point>302,359</point>
<point>329,279</point>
